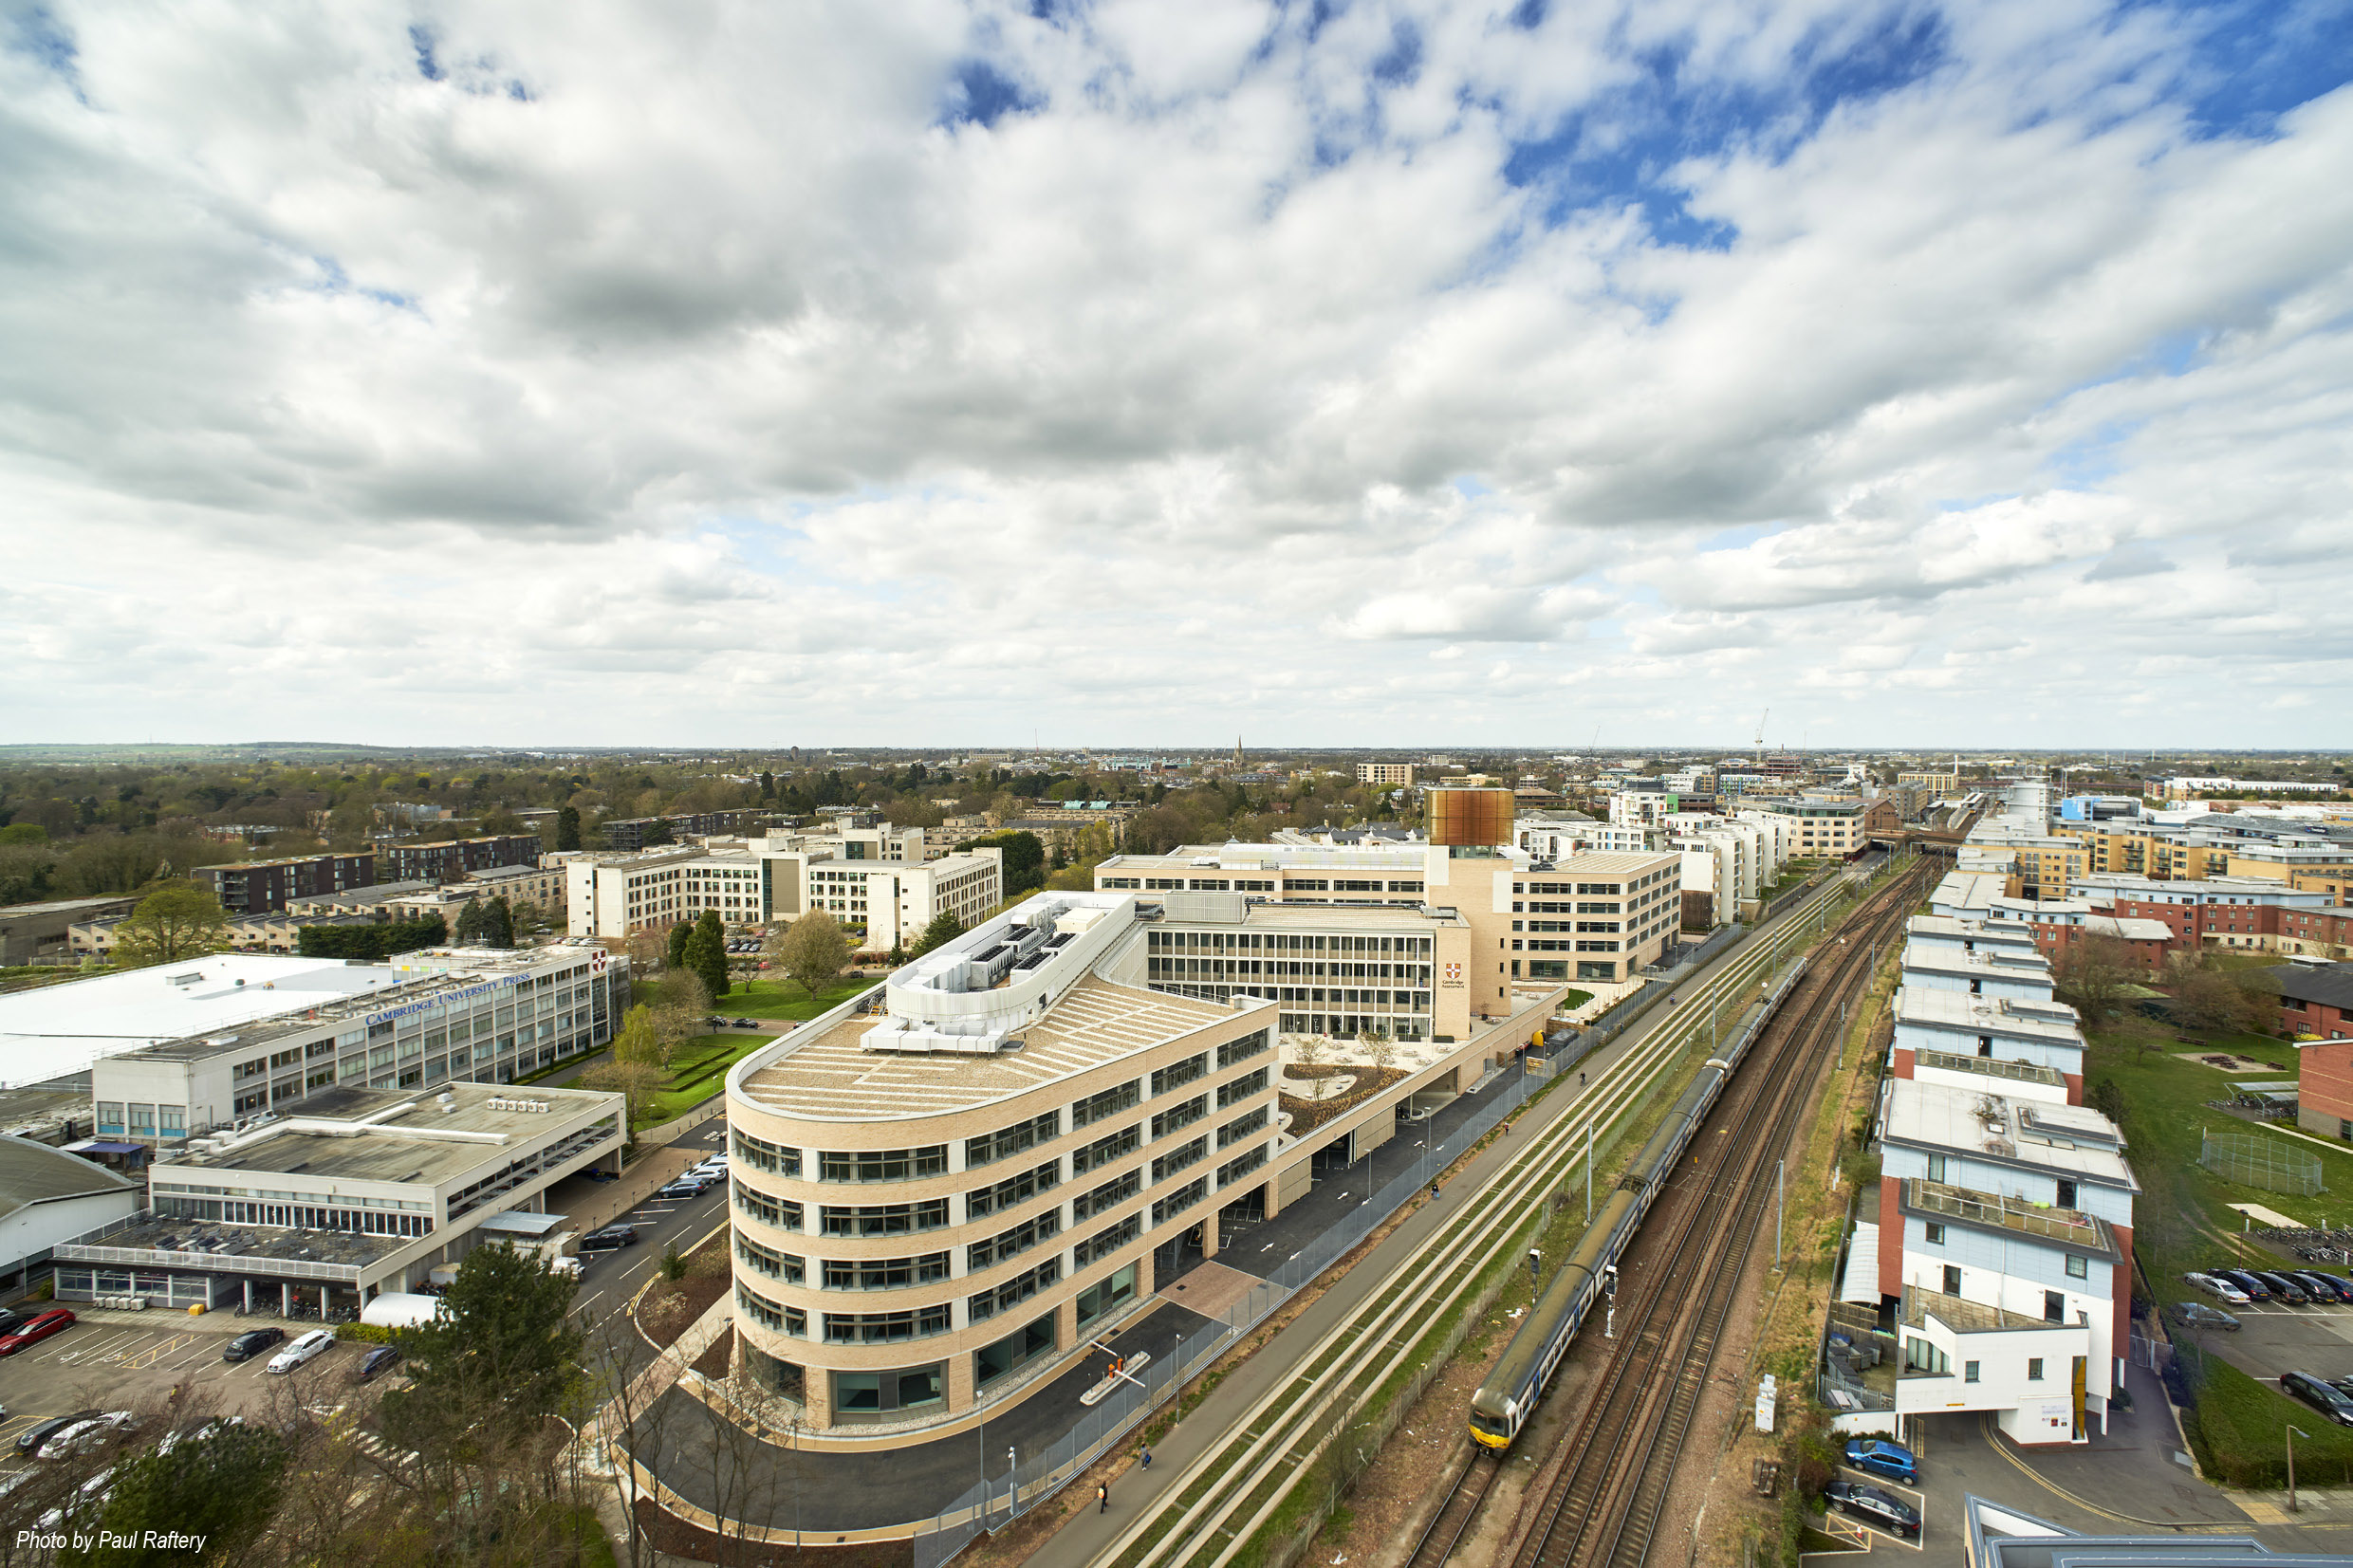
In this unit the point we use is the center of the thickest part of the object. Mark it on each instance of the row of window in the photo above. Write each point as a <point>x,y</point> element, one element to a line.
<point>874,1328</point>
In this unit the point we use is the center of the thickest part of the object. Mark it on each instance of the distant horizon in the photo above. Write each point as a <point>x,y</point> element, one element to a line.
<point>483,748</point>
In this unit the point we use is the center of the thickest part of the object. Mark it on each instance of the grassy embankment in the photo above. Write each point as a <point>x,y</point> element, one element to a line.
<point>2182,1221</point>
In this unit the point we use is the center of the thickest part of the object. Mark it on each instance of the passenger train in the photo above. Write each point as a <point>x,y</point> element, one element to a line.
<point>1505,1401</point>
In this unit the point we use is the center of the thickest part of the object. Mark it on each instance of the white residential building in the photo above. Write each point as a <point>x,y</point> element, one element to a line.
<point>2006,1242</point>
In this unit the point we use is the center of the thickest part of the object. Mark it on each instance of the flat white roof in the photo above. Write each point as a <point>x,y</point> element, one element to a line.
<point>60,1030</point>
<point>1932,1115</point>
<point>2052,1022</point>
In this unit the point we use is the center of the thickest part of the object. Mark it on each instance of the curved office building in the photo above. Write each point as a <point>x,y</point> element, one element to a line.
<point>939,1199</point>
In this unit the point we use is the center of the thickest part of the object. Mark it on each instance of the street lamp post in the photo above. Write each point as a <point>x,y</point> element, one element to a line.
<point>2294,1432</point>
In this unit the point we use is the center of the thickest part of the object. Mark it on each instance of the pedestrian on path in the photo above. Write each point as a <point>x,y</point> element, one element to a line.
<point>1147,1457</point>
<point>1102,1499</point>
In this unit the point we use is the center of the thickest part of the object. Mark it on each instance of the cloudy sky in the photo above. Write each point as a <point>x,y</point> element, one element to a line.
<point>1158,370</point>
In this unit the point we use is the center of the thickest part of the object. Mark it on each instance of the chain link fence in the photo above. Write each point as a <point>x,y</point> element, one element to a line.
<point>2261,1162</point>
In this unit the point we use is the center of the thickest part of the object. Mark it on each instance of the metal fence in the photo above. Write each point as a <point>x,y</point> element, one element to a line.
<point>2260,1162</point>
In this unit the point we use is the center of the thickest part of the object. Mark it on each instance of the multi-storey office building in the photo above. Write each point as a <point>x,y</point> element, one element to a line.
<point>260,887</point>
<point>451,860</point>
<point>359,1193</point>
<point>888,902</point>
<point>1329,970</point>
<point>1591,916</point>
<point>435,1016</point>
<point>933,1205</point>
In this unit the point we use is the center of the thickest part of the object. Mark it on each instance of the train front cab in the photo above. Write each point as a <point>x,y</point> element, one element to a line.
<point>1492,1431</point>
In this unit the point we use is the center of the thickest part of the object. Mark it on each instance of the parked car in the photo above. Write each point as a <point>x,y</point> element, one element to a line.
<point>2256,1290</point>
<point>251,1343</point>
<point>200,1431</point>
<point>715,1022</point>
<point>35,1329</point>
<point>29,1440</point>
<point>2216,1287</point>
<point>685,1187</point>
<point>611,1239</point>
<point>375,1364</point>
<point>1868,1503</point>
<point>302,1350</point>
<point>2282,1286</point>
<point>2320,1286</point>
<point>86,1434</point>
<point>2198,1315</point>
<point>2328,1399</point>
<point>10,1320</point>
<point>1880,1457</point>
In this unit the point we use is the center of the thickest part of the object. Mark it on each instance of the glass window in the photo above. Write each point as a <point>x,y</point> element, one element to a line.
<point>1968,1372</point>
<point>2034,1369</point>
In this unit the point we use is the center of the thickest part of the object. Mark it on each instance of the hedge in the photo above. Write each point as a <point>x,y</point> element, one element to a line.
<point>370,942</point>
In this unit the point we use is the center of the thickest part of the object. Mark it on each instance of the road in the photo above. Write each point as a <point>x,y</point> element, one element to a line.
<point>609,1280</point>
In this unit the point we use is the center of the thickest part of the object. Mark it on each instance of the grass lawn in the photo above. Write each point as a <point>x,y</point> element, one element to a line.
<point>782,999</point>
<point>698,1071</point>
<point>2181,1222</point>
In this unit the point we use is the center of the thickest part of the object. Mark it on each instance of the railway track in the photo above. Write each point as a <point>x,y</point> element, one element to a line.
<point>1226,1495</point>
<point>1602,1508</point>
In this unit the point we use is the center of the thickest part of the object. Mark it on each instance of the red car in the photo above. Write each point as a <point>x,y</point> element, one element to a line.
<point>35,1329</point>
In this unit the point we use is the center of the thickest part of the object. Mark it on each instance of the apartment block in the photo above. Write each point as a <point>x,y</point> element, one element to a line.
<point>2002,1246</point>
<point>1384,773</point>
<point>260,887</point>
<point>2009,1212</point>
<point>626,834</point>
<point>453,859</point>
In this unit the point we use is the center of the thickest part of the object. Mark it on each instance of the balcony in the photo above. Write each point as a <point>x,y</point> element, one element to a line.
<point>2066,1226</point>
<point>2017,1072</point>
<point>1959,1316</point>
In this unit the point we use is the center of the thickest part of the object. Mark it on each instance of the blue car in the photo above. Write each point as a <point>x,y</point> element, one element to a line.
<point>1880,1457</point>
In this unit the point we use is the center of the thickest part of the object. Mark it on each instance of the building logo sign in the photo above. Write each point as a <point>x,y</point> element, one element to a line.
<point>469,992</point>
<point>1454,974</point>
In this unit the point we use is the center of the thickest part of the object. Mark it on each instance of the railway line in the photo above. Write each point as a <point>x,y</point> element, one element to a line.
<point>1681,1284</point>
<point>1230,1492</point>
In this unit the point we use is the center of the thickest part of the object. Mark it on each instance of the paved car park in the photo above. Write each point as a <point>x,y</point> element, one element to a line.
<point>2272,1339</point>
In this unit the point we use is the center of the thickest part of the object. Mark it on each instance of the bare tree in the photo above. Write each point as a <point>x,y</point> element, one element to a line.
<point>2091,975</point>
<point>1380,1048</point>
<point>1308,1051</point>
<point>624,1411</point>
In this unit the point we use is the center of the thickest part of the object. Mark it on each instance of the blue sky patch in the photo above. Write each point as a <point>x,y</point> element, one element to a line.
<point>980,93</point>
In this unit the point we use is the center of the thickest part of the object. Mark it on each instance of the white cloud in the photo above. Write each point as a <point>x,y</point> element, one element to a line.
<point>682,375</point>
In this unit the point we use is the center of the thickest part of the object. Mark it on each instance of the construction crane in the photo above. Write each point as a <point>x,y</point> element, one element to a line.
<point>1760,736</point>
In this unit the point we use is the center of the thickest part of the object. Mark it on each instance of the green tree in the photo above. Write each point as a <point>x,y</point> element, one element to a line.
<point>177,920</point>
<point>568,827</point>
<point>638,1041</point>
<point>470,922</point>
<point>814,951</point>
<point>678,933</point>
<point>488,1370</point>
<point>23,833</point>
<point>638,1082</point>
<point>221,1484</point>
<point>944,926</point>
<point>504,823</point>
<point>706,951</point>
<point>370,941</point>
<point>498,923</point>
<point>1025,859</point>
